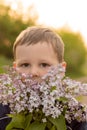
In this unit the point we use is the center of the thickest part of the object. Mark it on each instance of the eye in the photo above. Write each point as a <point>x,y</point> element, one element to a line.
<point>44,65</point>
<point>25,65</point>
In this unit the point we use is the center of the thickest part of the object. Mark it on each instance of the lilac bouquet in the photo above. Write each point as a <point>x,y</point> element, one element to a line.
<point>42,104</point>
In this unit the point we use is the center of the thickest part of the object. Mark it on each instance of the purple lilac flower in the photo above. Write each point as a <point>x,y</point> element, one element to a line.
<point>52,94</point>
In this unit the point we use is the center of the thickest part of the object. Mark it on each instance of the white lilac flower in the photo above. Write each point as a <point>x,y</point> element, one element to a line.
<point>52,95</point>
<point>44,120</point>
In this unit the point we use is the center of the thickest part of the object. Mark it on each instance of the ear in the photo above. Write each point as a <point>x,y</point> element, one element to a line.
<point>14,64</point>
<point>64,64</point>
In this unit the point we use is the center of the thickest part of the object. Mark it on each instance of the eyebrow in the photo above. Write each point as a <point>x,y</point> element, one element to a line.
<point>22,60</point>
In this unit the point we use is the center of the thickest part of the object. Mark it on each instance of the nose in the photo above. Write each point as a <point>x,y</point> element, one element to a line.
<point>34,71</point>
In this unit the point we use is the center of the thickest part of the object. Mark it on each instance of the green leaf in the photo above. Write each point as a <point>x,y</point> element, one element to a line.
<point>53,88</point>
<point>58,122</point>
<point>16,122</point>
<point>27,121</point>
<point>49,124</point>
<point>63,99</point>
<point>37,126</point>
<point>53,128</point>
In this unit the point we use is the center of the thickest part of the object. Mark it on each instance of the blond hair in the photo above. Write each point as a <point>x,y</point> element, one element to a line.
<point>33,35</point>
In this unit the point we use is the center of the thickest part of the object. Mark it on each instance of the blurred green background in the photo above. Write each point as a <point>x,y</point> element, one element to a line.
<point>13,22</point>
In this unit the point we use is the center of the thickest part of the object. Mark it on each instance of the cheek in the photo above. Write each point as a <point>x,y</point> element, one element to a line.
<point>42,73</point>
<point>21,70</point>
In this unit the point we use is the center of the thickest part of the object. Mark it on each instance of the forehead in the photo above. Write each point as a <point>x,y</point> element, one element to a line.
<point>41,47</point>
<point>35,50</point>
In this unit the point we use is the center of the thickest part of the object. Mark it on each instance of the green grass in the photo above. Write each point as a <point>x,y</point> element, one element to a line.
<point>4,62</point>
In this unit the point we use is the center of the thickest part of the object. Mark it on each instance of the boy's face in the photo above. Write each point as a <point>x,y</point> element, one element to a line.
<point>35,59</point>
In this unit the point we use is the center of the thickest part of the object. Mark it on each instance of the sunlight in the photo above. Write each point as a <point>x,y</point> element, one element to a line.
<point>14,6</point>
<point>58,13</point>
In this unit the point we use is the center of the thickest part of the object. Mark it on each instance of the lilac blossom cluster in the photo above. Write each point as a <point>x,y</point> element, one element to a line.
<point>53,94</point>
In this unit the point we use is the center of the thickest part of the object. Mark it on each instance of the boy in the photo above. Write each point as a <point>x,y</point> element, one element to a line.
<point>35,50</point>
